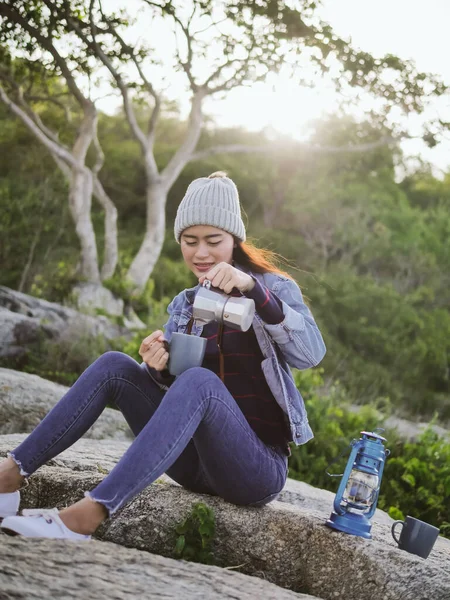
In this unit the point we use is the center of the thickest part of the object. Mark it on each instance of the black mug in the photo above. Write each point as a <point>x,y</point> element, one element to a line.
<point>416,536</point>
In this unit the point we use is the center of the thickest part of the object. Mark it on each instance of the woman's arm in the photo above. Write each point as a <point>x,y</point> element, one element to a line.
<point>296,334</point>
<point>267,305</point>
<point>292,327</point>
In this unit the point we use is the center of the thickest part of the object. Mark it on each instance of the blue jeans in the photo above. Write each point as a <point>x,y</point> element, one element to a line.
<point>194,432</point>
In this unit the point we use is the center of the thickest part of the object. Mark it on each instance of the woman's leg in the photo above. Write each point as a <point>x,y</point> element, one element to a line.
<point>113,378</point>
<point>197,434</point>
<point>108,380</point>
<point>236,464</point>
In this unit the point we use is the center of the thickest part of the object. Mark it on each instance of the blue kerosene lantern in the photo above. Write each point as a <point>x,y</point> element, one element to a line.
<point>357,496</point>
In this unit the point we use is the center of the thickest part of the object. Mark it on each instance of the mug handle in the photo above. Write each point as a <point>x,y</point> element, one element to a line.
<point>393,530</point>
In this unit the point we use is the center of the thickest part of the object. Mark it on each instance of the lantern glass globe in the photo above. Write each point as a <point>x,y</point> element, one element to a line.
<point>360,492</point>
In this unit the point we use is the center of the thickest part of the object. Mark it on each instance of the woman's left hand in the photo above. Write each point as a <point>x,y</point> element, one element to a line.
<point>226,277</point>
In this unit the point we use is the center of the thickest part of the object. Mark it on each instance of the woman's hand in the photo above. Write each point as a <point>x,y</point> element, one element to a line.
<point>226,277</point>
<point>153,351</point>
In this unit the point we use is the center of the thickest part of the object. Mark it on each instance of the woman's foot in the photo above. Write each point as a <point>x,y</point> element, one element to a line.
<point>10,478</point>
<point>77,522</point>
<point>84,516</point>
<point>40,523</point>
<point>10,482</point>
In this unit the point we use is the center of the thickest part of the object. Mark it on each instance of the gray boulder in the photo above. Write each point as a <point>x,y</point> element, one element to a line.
<point>25,400</point>
<point>26,320</point>
<point>58,570</point>
<point>91,295</point>
<point>285,542</point>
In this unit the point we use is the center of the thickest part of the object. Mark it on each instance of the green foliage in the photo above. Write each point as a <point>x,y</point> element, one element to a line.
<point>66,360</point>
<point>61,361</point>
<point>55,282</point>
<point>117,319</point>
<point>373,252</point>
<point>196,535</point>
<point>385,343</point>
<point>416,479</point>
<point>149,309</point>
<point>334,426</point>
<point>33,220</point>
<point>170,277</point>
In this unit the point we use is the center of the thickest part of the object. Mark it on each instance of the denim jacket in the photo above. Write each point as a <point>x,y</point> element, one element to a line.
<point>296,341</point>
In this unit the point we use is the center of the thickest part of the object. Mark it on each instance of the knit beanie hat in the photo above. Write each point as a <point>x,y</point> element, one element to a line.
<point>214,201</point>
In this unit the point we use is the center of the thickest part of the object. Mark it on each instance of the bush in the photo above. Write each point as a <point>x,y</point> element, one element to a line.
<point>61,360</point>
<point>382,341</point>
<point>196,535</point>
<point>55,282</point>
<point>334,426</point>
<point>416,479</point>
<point>168,279</point>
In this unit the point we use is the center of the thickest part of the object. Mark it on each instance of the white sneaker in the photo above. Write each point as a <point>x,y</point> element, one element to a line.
<point>40,523</point>
<point>9,504</point>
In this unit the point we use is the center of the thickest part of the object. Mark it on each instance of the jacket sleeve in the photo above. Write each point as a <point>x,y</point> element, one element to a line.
<point>297,336</point>
<point>170,326</point>
<point>267,305</point>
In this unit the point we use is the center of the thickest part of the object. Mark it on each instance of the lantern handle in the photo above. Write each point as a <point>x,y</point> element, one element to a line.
<point>352,443</point>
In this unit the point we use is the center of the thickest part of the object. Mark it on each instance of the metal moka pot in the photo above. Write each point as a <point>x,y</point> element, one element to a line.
<point>212,305</point>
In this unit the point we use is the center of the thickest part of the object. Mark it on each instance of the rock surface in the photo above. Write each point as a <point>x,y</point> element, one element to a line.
<point>26,320</point>
<point>77,570</point>
<point>25,400</point>
<point>285,542</point>
<point>92,295</point>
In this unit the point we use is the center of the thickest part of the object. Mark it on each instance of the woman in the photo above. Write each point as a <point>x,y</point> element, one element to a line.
<point>220,429</point>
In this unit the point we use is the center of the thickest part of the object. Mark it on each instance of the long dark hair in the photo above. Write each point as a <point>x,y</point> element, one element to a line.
<point>258,260</point>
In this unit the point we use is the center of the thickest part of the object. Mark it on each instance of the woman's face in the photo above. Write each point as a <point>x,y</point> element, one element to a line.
<point>204,246</point>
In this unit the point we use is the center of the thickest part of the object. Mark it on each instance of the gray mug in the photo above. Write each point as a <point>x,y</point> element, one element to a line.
<point>185,351</point>
<point>416,536</point>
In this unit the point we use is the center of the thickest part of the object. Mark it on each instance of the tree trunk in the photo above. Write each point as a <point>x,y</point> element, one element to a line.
<point>111,245</point>
<point>157,190</point>
<point>111,249</point>
<point>80,200</point>
<point>148,254</point>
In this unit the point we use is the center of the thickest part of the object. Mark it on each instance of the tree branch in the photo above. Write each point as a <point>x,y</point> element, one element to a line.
<point>219,70</point>
<point>129,112</point>
<point>147,85</point>
<point>100,156</point>
<point>15,17</point>
<point>238,76</point>
<point>184,153</point>
<point>128,108</point>
<point>30,112</point>
<point>53,100</point>
<point>37,119</point>
<point>186,66</point>
<point>213,24</point>
<point>56,148</point>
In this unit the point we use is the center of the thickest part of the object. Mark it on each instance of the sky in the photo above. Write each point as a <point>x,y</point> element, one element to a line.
<point>410,29</point>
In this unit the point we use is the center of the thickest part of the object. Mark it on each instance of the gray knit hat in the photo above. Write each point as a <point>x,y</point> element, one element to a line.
<point>214,201</point>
